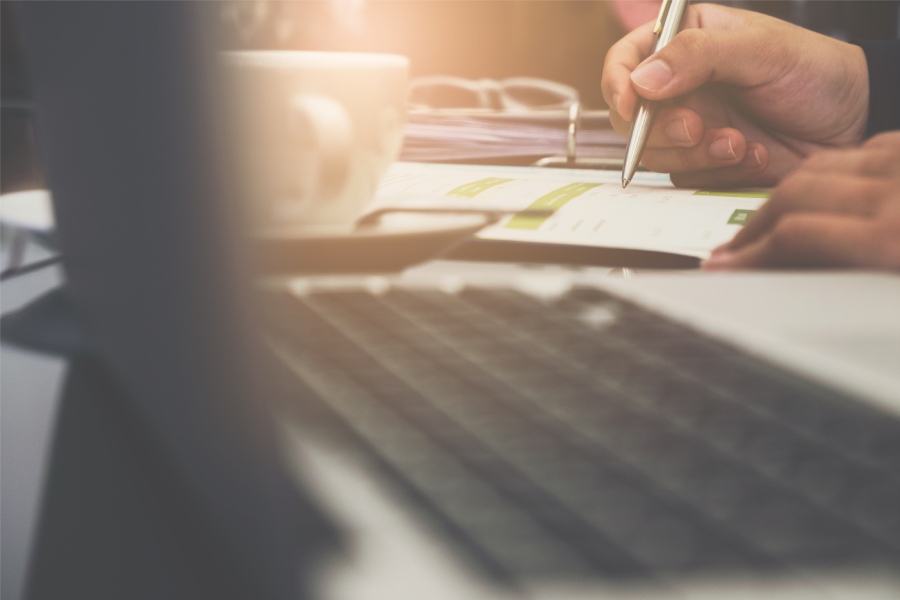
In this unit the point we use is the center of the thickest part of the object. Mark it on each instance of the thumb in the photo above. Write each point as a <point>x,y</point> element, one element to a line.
<point>741,57</point>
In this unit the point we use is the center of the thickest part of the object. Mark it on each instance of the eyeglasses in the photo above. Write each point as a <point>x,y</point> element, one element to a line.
<point>514,94</point>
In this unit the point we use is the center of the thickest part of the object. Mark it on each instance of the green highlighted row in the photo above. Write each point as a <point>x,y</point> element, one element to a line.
<point>472,189</point>
<point>550,201</point>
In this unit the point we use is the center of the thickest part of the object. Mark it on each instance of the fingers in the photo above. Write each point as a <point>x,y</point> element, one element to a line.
<point>679,145</point>
<point>745,57</point>
<point>807,240</point>
<point>878,157</point>
<point>813,192</point>
<point>674,127</point>
<point>625,56</point>
<point>840,209</point>
<point>718,148</point>
<point>844,182</point>
<point>752,170</point>
<point>716,45</point>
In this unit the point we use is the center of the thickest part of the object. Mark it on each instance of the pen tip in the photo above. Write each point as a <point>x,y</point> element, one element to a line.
<point>625,183</point>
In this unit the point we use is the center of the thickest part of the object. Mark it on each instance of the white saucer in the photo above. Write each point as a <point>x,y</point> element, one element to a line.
<point>397,241</point>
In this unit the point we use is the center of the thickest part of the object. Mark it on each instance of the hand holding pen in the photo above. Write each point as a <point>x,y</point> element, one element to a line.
<point>742,98</point>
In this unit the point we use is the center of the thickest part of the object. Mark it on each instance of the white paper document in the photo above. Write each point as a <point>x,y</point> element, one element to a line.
<point>589,207</point>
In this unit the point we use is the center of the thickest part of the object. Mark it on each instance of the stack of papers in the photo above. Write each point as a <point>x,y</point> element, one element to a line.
<point>458,137</point>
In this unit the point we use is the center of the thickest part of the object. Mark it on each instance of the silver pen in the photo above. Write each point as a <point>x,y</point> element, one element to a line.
<point>671,15</point>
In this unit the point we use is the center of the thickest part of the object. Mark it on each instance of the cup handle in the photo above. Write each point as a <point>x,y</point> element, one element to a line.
<point>322,123</point>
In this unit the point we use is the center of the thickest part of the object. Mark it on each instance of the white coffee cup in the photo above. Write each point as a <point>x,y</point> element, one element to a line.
<point>313,131</point>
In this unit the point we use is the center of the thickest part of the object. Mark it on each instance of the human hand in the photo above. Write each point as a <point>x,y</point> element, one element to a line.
<point>841,208</point>
<point>746,96</point>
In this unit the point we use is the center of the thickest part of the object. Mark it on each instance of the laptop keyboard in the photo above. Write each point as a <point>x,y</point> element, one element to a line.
<point>585,436</point>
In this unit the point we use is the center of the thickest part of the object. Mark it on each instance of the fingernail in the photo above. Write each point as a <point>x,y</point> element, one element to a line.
<point>615,100</point>
<point>756,160</point>
<point>721,149</point>
<point>752,159</point>
<point>720,260</point>
<point>653,75</point>
<point>677,131</point>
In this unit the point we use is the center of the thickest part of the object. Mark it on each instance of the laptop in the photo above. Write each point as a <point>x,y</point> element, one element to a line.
<point>549,433</point>
<point>455,431</point>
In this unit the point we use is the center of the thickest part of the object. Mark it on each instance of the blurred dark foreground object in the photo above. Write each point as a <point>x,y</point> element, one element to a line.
<point>165,478</point>
<point>19,168</point>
